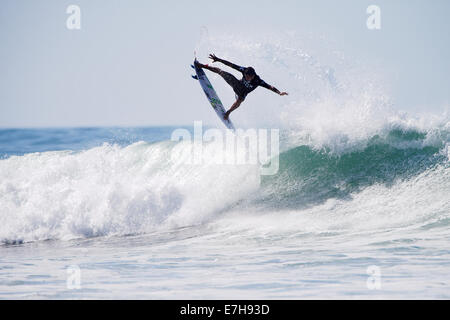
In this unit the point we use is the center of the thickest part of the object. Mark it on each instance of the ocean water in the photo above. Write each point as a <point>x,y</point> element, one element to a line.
<point>359,207</point>
<point>111,206</point>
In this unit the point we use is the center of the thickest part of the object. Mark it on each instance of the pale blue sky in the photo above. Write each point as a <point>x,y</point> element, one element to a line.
<point>129,63</point>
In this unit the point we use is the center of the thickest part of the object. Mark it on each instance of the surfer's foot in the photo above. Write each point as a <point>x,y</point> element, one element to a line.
<point>226,115</point>
<point>199,65</point>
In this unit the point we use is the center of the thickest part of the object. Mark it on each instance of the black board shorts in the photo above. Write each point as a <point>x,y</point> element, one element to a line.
<point>237,86</point>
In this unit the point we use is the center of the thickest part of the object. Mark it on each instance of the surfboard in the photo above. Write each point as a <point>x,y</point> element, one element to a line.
<point>211,95</point>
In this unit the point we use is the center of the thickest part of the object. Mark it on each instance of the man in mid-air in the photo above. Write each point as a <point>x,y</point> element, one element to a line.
<point>247,84</point>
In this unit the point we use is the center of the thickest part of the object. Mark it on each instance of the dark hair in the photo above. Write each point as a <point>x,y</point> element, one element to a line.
<point>249,71</point>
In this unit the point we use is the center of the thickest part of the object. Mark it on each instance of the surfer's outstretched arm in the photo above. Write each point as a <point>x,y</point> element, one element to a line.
<point>272,88</point>
<point>213,57</point>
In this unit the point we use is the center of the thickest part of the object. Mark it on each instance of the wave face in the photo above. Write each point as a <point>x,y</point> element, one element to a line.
<point>308,176</point>
<point>143,187</point>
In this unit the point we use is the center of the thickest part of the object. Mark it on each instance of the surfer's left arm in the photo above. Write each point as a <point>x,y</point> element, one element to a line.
<point>272,88</point>
<point>213,57</point>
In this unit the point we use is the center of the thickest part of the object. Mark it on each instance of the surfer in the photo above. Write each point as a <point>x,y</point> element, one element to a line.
<point>249,82</point>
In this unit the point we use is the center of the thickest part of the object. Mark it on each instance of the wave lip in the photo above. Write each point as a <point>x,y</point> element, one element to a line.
<point>309,176</point>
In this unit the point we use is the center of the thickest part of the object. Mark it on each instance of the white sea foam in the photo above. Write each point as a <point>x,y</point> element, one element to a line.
<point>112,190</point>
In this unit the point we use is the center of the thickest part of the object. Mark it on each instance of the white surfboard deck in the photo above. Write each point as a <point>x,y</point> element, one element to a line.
<point>212,96</point>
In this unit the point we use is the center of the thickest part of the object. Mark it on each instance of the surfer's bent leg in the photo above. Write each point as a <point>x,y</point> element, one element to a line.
<point>234,83</point>
<point>233,107</point>
<point>213,69</point>
<point>228,77</point>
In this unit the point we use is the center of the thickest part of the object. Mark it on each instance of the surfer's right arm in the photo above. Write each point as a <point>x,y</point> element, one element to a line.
<point>272,88</point>
<point>213,57</point>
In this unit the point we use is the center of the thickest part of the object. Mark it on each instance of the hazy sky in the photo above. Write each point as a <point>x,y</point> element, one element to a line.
<point>129,63</point>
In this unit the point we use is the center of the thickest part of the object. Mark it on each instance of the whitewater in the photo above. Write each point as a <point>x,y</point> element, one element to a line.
<point>359,207</point>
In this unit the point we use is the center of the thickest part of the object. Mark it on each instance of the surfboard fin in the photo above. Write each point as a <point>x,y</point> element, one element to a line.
<point>194,77</point>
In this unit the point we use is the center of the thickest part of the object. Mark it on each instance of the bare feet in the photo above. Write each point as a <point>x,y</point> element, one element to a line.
<point>199,65</point>
<point>226,115</point>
